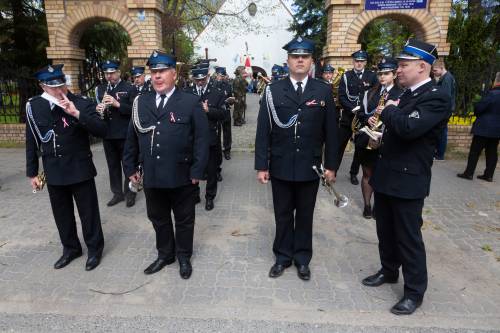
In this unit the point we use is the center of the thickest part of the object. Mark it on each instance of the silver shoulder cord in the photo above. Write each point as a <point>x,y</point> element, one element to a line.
<point>349,96</point>
<point>272,110</point>
<point>50,135</point>
<point>137,124</point>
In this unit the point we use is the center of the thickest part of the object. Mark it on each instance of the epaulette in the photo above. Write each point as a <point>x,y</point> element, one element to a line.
<point>34,97</point>
<point>322,81</point>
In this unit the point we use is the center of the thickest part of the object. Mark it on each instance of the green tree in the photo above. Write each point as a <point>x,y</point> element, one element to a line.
<point>474,53</point>
<point>311,22</point>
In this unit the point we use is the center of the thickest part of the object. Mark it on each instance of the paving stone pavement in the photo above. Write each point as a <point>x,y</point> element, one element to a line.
<point>229,290</point>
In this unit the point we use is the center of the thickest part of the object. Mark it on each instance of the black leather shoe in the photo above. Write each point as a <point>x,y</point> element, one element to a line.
<point>278,269</point>
<point>219,177</point>
<point>158,265</point>
<point>303,272</point>
<point>406,306</point>
<point>354,180</point>
<point>209,204</point>
<point>66,259</point>
<point>130,200</point>
<point>92,262</point>
<point>197,200</point>
<point>367,212</point>
<point>116,199</point>
<point>483,177</point>
<point>227,155</point>
<point>379,279</point>
<point>464,176</point>
<point>185,269</point>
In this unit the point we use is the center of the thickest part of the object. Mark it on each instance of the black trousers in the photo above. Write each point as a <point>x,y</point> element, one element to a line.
<point>227,138</point>
<point>212,169</point>
<point>293,211</point>
<point>113,149</point>
<point>490,146</point>
<point>399,223</point>
<point>85,196</point>
<point>345,135</point>
<point>219,147</point>
<point>160,203</point>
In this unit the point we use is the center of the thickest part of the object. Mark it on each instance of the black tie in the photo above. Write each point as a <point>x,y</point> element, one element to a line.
<point>160,106</point>
<point>299,89</point>
<point>404,97</point>
<point>360,75</point>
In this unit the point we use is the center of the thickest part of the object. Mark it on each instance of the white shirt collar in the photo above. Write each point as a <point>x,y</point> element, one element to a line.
<point>388,88</point>
<point>167,96</point>
<point>304,83</point>
<point>418,85</point>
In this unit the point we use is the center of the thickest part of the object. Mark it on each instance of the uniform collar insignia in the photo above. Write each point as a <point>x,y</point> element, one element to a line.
<point>299,39</point>
<point>155,54</point>
<point>415,115</point>
<point>107,62</point>
<point>50,69</point>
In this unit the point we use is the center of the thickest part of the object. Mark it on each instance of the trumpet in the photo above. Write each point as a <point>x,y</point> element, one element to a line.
<point>340,199</point>
<point>137,187</point>
<point>41,180</point>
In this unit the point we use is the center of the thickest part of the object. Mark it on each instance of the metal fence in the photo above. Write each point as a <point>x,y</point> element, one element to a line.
<point>15,92</point>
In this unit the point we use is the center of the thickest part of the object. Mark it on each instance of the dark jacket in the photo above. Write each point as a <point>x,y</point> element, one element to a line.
<point>68,159</point>
<point>354,88</point>
<point>216,109</point>
<point>487,111</point>
<point>290,153</point>
<point>411,132</point>
<point>448,84</point>
<point>118,118</point>
<point>176,151</point>
<point>146,87</point>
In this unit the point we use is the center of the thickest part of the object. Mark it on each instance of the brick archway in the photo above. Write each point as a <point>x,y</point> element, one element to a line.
<point>348,18</point>
<point>68,19</point>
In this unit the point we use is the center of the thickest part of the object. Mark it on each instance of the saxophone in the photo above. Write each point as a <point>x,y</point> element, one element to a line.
<point>375,132</point>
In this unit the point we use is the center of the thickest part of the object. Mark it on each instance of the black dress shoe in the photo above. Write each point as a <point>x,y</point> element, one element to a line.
<point>379,279</point>
<point>354,180</point>
<point>483,177</point>
<point>197,200</point>
<point>464,176</point>
<point>185,269</point>
<point>406,306</point>
<point>130,200</point>
<point>158,265</point>
<point>303,272</point>
<point>227,155</point>
<point>66,259</point>
<point>92,262</point>
<point>367,212</point>
<point>219,177</point>
<point>116,199</point>
<point>278,269</point>
<point>209,204</point>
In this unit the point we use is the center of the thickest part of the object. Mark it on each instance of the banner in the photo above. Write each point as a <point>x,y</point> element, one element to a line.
<point>395,4</point>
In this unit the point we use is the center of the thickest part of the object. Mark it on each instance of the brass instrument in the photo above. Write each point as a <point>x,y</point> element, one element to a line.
<point>137,187</point>
<point>42,180</point>
<point>375,132</point>
<point>355,124</point>
<point>263,82</point>
<point>340,199</point>
<point>336,84</point>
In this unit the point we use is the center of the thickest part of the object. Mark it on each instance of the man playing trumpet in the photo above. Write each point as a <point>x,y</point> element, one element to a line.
<point>58,124</point>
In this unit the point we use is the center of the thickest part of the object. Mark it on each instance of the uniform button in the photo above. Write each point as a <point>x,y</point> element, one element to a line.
<point>158,157</point>
<point>298,136</point>
<point>405,169</point>
<point>299,110</point>
<point>158,133</point>
<point>54,125</point>
<point>58,145</point>
<point>59,155</point>
<point>157,145</point>
<point>298,149</point>
<point>379,156</point>
<point>158,123</point>
<point>298,123</point>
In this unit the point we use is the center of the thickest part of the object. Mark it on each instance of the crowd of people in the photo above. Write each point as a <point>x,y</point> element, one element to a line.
<point>165,139</point>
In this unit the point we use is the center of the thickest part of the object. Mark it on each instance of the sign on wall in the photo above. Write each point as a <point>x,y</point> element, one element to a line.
<point>395,4</point>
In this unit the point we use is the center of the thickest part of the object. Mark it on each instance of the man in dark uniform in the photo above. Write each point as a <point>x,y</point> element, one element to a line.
<point>58,124</point>
<point>140,82</point>
<point>402,175</point>
<point>296,122</point>
<point>115,99</point>
<point>223,84</point>
<point>212,99</point>
<point>352,84</point>
<point>327,75</point>
<point>168,136</point>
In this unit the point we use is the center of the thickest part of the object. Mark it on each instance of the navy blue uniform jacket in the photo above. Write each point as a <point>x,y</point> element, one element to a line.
<point>289,154</point>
